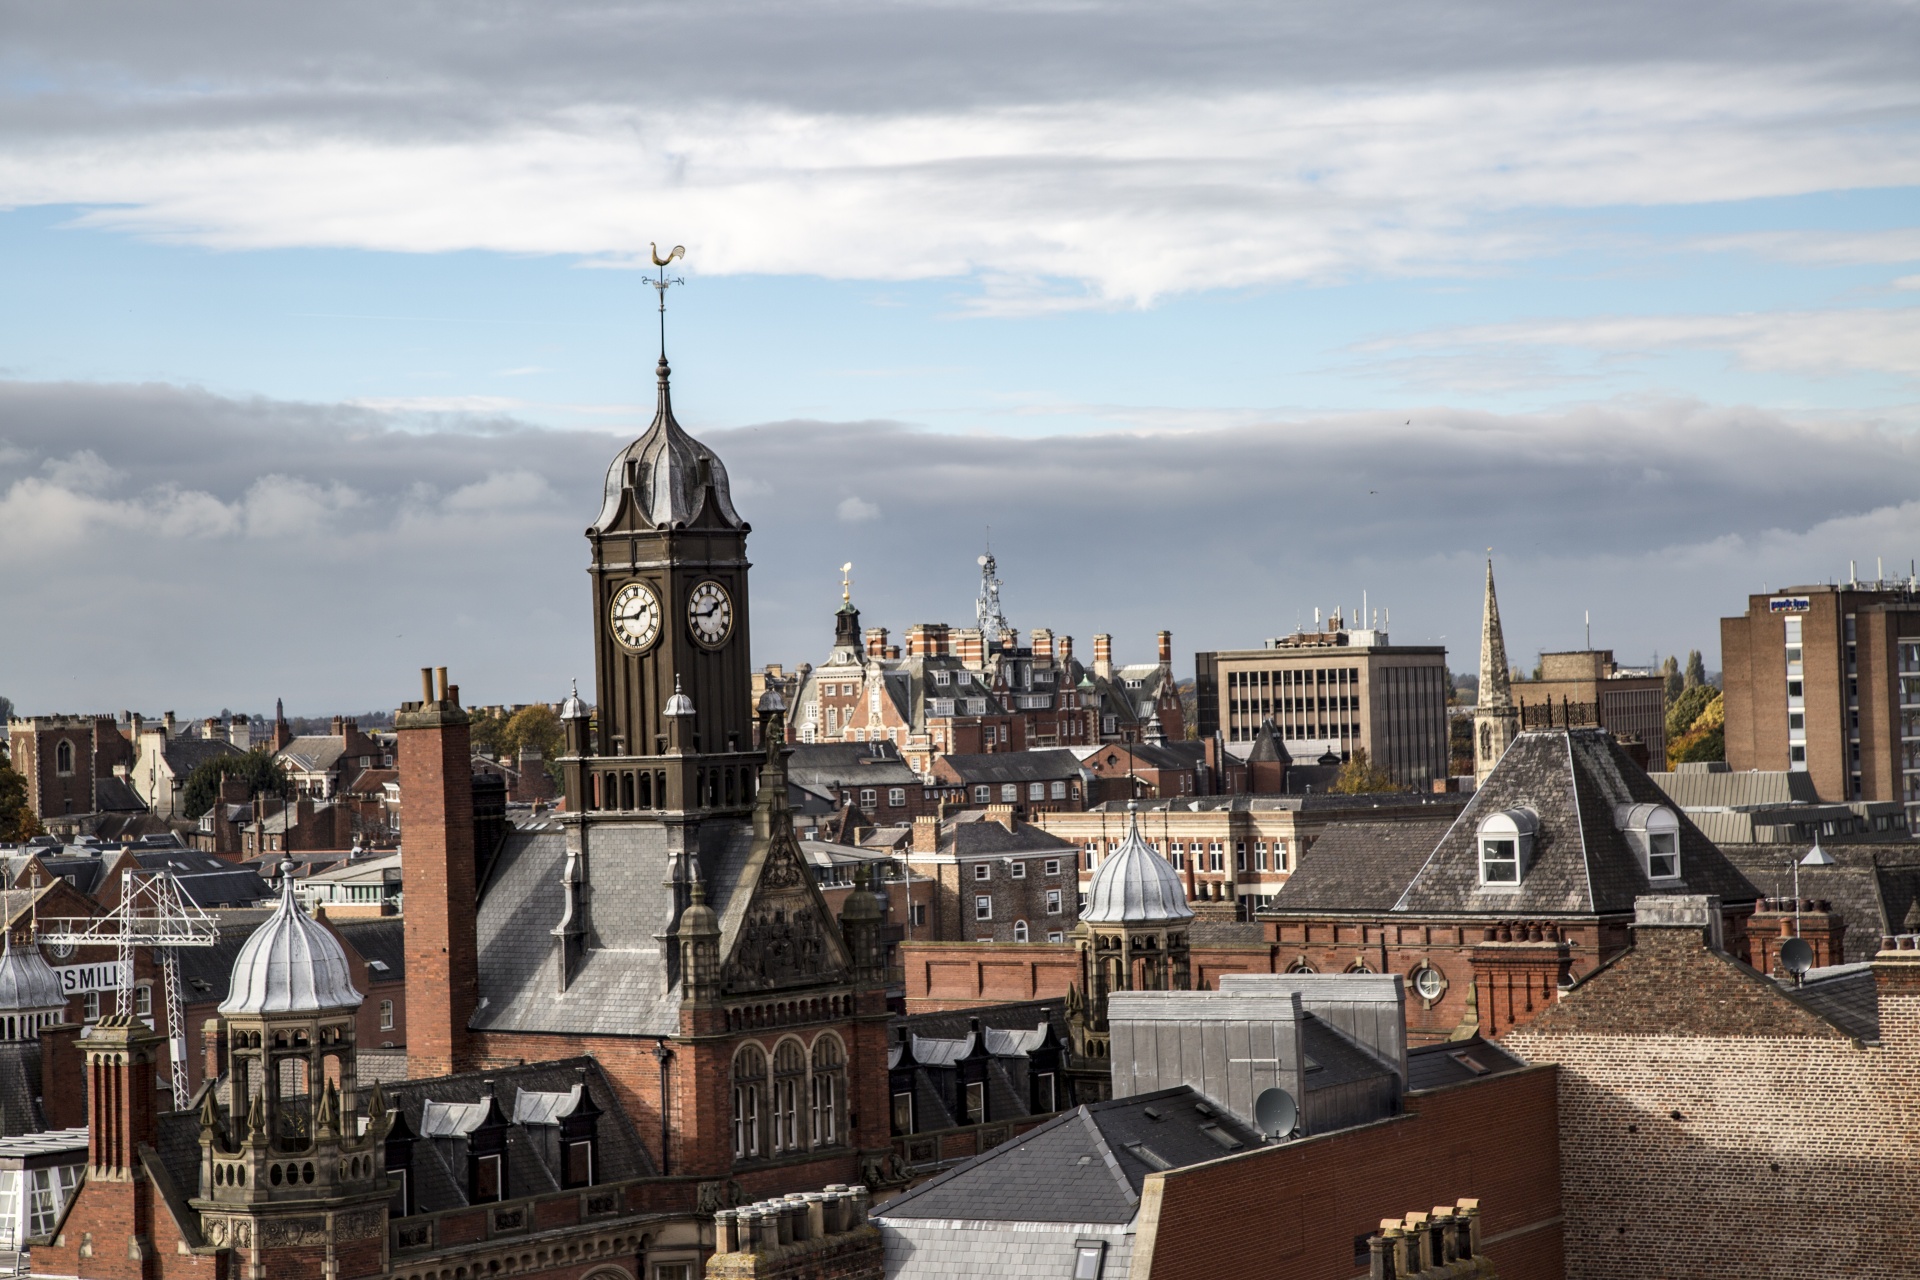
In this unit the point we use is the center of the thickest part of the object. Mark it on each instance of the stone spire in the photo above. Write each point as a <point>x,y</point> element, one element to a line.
<point>1495,721</point>
<point>1496,685</point>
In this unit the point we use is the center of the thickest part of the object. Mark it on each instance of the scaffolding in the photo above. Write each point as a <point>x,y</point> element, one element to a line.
<point>150,913</point>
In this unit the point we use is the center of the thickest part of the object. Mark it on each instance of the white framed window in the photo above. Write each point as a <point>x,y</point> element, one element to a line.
<point>983,794</point>
<point>1056,936</point>
<point>386,1015</point>
<point>1059,790</point>
<point>1053,902</point>
<point>896,797</point>
<point>1654,832</point>
<point>1088,1257</point>
<point>1036,791</point>
<point>982,906</point>
<point>1053,866</point>
<point>1260,855</point>
<point>1009,791</point>
<point>1505,845</point>
<point>943,677</point>
<point>866,797</point>
<point>1019,930</point>
<point>983,871</point>
<point>1240,855</point>
<point>1216,857</point>
<point>1017,870</point>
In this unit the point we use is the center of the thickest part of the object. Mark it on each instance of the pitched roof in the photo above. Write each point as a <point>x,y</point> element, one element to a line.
<point>1014,766</point>
<point>1573,780</point>
<point>1846,996</point>
<point>976,834</point>
<point>819,765</point>
<point>1359,866</point>
<point>1086,1165</point>
<point>1434,1066</point>
<point>183,755</point>
<point>314,753</point>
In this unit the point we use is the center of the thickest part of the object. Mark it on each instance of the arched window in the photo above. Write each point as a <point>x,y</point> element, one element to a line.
<point>789,1080</point>
<point>1506,846</point>
<point>749,1082</point>
<point>63,757</point>
<point>1019,930</point>
<point>829,1087</point>
<point>1300,966</point>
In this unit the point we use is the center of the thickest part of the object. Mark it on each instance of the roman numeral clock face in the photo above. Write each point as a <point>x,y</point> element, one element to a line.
<point>710,614</point>
<point>634,616</point>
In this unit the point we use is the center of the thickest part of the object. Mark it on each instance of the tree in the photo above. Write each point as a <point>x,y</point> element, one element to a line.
<point>1696,670</point>
<point>1359,776</point>
<point>485,729</point>
<point>1706,737</point>
<point>6,708</point>
<point>1685,709</point>
<point>1675,682</point>
<point>534,726</point>
<point>17,822</point>
<point>262,772</point>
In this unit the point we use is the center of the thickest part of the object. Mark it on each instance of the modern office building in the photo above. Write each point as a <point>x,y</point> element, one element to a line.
<point>1334,689</point>
<point>1826,680</point>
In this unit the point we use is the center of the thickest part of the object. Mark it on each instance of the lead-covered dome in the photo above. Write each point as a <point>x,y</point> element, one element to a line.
<point>27,982</point>
<point>673,477</point>
<point>291,964</point>
<point>1135,885</point>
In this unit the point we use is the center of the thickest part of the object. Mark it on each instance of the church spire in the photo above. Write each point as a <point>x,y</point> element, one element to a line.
<point>1496,686</point>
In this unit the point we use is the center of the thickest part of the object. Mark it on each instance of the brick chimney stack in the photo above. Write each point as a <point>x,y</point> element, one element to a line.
<point>1896,981</point>
<point>1042,643</point>
<point>876,642</point>
<point>122,1104</point>
<point>1166,648</point>
<point>1773,923</point>
<point>926,834</point>
<point>1103,656</point>
<point>436,798</point>
<point>1066,650</point>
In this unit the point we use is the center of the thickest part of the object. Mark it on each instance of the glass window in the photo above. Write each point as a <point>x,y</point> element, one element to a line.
<point>976,1103</point>
<point>1053,866</point>
<point>896,796</point>
<point>386,1015</point>
<point>1010,792</point>
<point>982,794</point>
<point>1053,902</point>
<point>982,907</point>
<point>902,1113</point>
<point>1499,861</point>
<point>1429,984</point>
<point>866,797</point>
<point>1036,791</point>
<point>1056,936</point>
<point>1018,870</point>
<point>1019,930</point>
<point>983,871</point>
<point>1059,791</point>
<point>1663,855</point>
<point>1086,1261</point>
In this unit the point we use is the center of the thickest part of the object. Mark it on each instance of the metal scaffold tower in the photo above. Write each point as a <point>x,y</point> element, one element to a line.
<point>151,913</point>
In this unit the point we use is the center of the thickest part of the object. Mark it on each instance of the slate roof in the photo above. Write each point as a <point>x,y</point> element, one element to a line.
<point>1043,765</point>
<point>205,880</point>
<point>116,795</point>
<point>314,753</point>
<point>1736,789</point>
<point>1873,888</point>
<point>20,1087</point>
<point>1359,866</point>
<point>1434,1066</point>
<point>439,1163</point>
<point>973,834</point>
<point>1086,1165</point>
<point>1582,864</point>
<point>384,940</point>
<point>184,755</point>
<point>1844,995</point>
<point>820,766</point>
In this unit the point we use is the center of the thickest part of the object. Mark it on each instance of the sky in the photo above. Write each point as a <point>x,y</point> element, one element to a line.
<point>319,324</point>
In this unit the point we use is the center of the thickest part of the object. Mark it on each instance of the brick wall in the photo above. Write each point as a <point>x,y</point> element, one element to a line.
<point>436,789</point>
<point>1296,1210</point>
<point>965,975</point>
<point>1701,1104</point>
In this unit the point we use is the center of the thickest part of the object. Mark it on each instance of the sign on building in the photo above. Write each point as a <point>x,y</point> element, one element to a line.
<point>1789,604</point>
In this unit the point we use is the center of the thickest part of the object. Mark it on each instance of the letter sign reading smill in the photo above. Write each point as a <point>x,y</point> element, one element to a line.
<point>78,979</point>
<point>1789,604</point>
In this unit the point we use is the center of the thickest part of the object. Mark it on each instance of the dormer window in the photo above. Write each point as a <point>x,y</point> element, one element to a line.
<point>1506,847</point>
<point>1654,833</point>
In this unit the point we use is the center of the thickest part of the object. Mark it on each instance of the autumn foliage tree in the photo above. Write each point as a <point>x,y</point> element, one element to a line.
<point>1360,776</point>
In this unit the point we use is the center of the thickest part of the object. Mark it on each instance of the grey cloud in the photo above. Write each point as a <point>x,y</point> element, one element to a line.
<point>168,547</point>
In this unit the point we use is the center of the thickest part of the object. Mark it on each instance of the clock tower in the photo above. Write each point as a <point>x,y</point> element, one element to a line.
<point>671,658</point>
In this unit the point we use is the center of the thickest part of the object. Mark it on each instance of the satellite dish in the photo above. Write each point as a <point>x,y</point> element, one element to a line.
<point>1796,957</point>
<point>1274,1112</point>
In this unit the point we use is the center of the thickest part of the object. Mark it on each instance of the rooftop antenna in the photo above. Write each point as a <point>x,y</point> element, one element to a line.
<point>846,583</point>
<point>663,282</point>
<point>1589,629</point>
<point>1275,1113</point>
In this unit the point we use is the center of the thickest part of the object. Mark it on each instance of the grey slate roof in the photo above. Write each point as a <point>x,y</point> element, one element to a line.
<point>1359,866</point>
<point>20,1087</point>
<point>384,940</point>
<point>314,753</point>
<point>439,1164</point>
<point>1871,887</point>
<point>1042,765</point>
<point>1845,996</point>
<point>184,755</point>
<point>972,834</point>
<point>818,766</point>
<point>1582,864</point>
<point>1434,1066</point>
<point>205,880</point>
<point>1086,1165</point>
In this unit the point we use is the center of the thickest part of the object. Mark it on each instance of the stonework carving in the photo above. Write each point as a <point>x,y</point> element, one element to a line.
<point>781,943</point>
<point>280,1233</point>
<point>715,1196</point>
<point>359,1224</point>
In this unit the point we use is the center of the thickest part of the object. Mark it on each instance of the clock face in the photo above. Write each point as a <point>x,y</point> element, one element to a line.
<point>635,616</point>
<point>710,613</point>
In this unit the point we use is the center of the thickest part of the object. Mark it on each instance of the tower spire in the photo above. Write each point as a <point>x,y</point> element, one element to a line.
<point>1496,683</point>
<point>661,283</point>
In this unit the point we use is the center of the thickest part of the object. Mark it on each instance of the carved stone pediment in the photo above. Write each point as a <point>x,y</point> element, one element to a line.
<point>787,938</point>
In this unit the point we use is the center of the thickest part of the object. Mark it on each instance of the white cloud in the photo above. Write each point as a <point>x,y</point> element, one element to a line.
<point>856,511</point>
<point>1880,340</point>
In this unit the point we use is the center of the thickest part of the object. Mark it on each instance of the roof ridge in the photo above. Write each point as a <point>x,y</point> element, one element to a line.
<point>1106,1152</point>
<point>1586,862</point>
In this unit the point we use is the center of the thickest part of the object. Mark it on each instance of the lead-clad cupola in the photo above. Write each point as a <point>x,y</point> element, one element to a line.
<point>666,479</point>
<point>291,964</point>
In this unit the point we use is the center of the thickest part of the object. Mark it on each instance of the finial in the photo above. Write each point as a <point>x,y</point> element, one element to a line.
<point>661,284</point>
<point>846,583</point>
<point>575,686</point>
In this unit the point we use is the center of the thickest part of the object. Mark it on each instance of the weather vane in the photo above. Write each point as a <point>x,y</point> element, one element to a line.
<point>846,583</point>
<point>663,283</point>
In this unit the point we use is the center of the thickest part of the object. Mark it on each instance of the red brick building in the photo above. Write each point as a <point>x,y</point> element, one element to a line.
<point>1695,1091</point>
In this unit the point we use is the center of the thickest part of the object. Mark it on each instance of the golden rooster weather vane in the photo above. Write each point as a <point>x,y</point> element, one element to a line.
<point>662,283</point>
